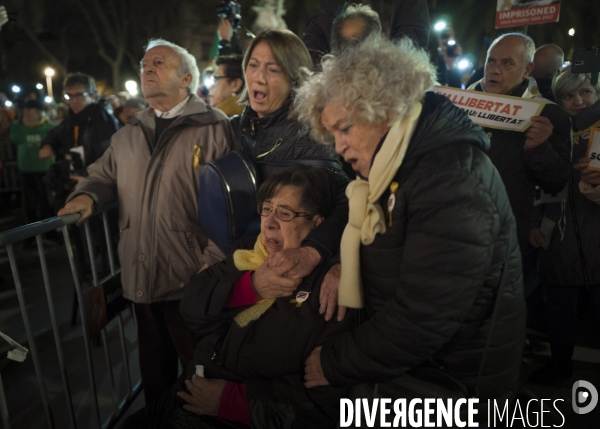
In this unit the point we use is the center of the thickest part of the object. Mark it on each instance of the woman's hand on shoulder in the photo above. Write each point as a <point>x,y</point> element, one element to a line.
<point>329,294</point>
<point>305,260</point>
<point>271,281</point>
<point>204,397</point>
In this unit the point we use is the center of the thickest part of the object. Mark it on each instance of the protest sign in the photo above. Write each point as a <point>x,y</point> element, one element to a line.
<point>593,151</point>
<point>516,13</point>
<point>492,110</point>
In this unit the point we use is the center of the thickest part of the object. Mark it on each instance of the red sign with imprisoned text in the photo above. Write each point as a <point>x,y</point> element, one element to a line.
<point>493,110</point>
<point>516,13</point>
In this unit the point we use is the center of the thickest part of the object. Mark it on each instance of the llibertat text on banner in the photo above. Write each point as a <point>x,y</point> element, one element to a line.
<point>517,13</point>
<point>493,110</point>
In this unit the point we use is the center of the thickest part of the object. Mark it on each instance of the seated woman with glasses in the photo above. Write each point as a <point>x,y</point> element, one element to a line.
<point>253,349</point>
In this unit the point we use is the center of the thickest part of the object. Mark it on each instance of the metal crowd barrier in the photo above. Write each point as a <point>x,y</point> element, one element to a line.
<point>106,310</point>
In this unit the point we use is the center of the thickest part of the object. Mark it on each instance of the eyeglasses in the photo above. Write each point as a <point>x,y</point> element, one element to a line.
<point>76,96</point>
<point>216,78</point>
<point>281,213</point>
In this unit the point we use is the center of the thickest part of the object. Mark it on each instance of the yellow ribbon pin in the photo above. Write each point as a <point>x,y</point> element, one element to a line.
<point>392,201</point>
<point>300,298</point>
<point>197,151</point>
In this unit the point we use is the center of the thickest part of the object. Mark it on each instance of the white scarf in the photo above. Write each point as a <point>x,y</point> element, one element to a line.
<point>366,218</point>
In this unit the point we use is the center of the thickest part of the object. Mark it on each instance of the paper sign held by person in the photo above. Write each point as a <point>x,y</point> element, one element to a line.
<point>493,110</point>
<point>593,151</point>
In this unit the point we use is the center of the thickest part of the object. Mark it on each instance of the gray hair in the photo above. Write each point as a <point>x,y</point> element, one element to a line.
<point>354,12</point>
<point>527,41</point>
<point>375,82</point>
<point>567,82</point>
<point>187,62</point>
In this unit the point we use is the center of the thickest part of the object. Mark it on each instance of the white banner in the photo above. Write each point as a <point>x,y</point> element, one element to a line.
<point>492,110</point>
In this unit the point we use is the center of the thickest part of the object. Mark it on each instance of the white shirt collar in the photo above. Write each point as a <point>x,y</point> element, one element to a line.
<point>175,111</point>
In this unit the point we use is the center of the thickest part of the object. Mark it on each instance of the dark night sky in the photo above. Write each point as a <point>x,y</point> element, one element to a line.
<point>60,27</point>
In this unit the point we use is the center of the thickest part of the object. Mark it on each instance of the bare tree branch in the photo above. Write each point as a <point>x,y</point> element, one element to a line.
<point>55,61</point>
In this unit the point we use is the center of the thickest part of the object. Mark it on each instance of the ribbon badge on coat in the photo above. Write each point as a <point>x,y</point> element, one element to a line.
<point>300,298</point>
<point>196,156</point>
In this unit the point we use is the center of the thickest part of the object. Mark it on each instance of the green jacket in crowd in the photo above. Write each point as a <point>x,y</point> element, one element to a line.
<point>27,139</point>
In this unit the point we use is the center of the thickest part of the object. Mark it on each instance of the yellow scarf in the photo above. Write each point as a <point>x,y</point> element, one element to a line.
<point>366,218</point>
<point>230,106</point>
<point>250,260</point>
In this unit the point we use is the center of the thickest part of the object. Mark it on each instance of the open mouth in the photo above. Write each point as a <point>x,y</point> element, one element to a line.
<point>272,242</point>
<point>259,95</point>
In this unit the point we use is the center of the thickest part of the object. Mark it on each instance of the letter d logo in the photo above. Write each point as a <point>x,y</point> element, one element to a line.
<point>582,390</point>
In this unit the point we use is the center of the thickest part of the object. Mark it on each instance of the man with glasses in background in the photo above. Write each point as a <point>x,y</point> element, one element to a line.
<point>85,134</point>
<point>228,84</point>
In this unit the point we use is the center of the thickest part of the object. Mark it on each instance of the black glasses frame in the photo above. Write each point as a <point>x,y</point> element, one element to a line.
<point>259,208</point>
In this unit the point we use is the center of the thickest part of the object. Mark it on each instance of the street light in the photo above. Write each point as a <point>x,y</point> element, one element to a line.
<point>16,89</point>
<point>131,87</point>
<point>572,32</point>
<point>8,103</point>
<point>39,86</point>
<point>49,72</point>
<point>439,26</point>
<point>48,99</point>
<point>464,64</point>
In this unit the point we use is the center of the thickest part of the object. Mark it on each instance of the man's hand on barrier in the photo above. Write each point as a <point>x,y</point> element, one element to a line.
<point>313,371</point>
<point>539,131</point>
<point>204,397</point>
<point>271,281</point>
<point>46,152</point>
<point>80,204</point>
<point>306,259</point>
<point>329,293</point>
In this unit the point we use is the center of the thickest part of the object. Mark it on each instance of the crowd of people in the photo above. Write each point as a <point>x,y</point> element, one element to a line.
<point>402,249</point>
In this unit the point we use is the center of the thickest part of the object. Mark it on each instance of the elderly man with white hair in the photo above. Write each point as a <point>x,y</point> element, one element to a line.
<point>539,156</point>
<point>152,168</point>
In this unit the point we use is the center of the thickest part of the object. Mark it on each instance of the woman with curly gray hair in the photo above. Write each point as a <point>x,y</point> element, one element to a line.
<point>430,247</point>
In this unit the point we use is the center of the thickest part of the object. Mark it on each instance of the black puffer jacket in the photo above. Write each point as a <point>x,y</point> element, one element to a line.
<point>430,281</point>
<point>268,355</point>
<point>546,166</point>
<point>562,263</point>
<point>278,137</point>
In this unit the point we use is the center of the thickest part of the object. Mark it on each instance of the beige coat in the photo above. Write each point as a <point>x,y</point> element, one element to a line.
<point>161,245</point>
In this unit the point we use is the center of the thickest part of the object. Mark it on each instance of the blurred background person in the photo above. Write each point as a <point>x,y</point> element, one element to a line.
<point>228,83</point>
<point>27,135</point>
<point>87,131</point>
<point>127,111</point>
<point>568,257</point>
<point>547,62</point>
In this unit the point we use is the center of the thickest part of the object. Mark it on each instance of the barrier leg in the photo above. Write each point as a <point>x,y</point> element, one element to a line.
<point>32,347</point>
